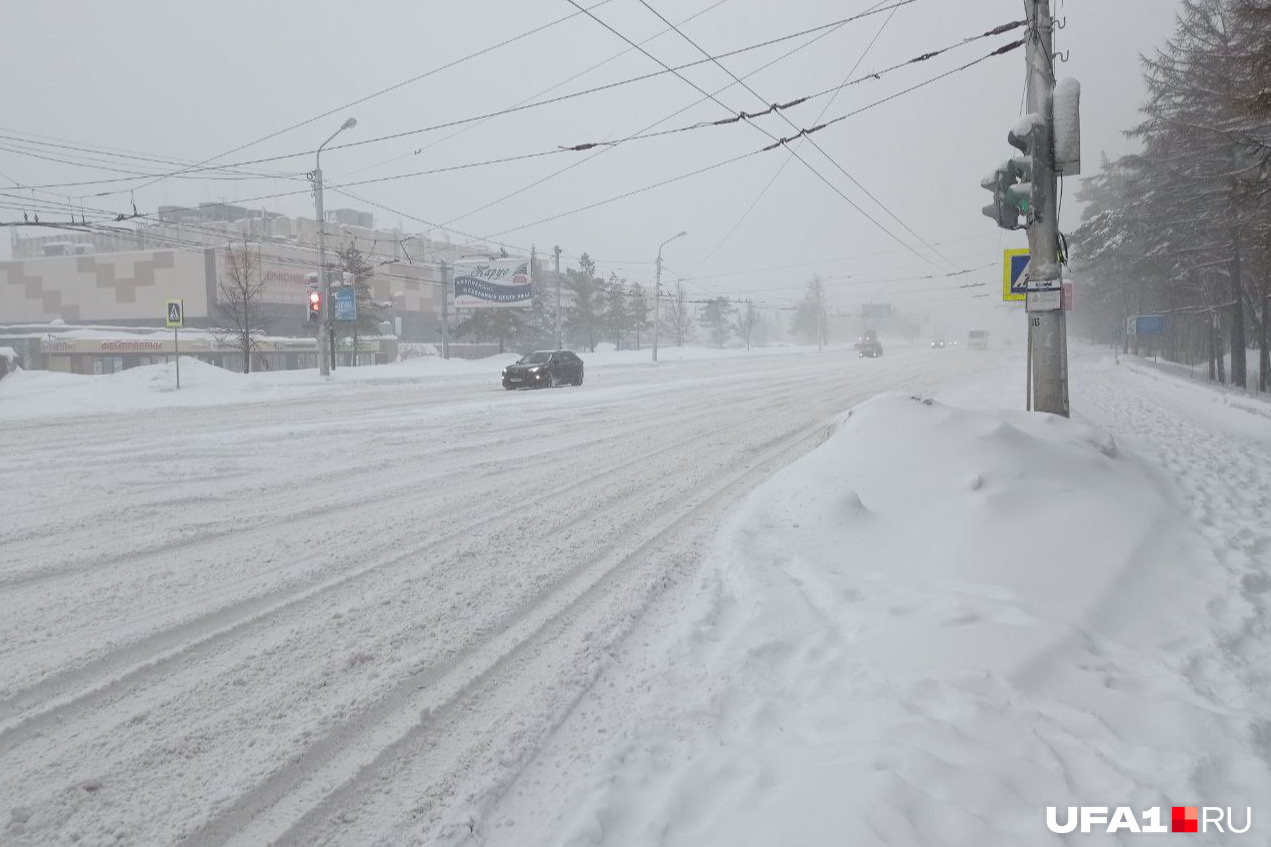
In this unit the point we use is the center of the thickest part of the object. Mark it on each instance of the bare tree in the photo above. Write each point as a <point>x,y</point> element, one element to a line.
<point>241,318</point>
<point>680,314</point>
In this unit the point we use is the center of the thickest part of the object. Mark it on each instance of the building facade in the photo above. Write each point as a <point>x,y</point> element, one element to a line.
<point>125,278</point>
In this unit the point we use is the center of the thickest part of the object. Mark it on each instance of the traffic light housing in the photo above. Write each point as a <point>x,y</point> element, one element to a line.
<point>1012,183</point>
<point>1003,213</point>
<point>1031,138</point>
<point>315,306</point>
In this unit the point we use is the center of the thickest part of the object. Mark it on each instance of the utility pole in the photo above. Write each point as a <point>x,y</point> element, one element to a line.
<point>324,283</point>
<point>445,311</point>
<point>560,338</point>
<point>1047,325</point>
<point>657,292</point>
<point>657,305</point>
<point>326,337</point>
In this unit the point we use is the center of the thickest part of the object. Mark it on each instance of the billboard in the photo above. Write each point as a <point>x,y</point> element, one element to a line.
<point>493,283</point>
<point>345,301</point>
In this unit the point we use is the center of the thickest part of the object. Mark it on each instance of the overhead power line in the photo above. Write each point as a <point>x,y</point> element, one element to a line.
<point>380,92</point>
<point>542,92</point>
<point>720,103</point>
<point>798,101</point>
<point>203,165</point>
<point>833,161</point>
<point>602,150</point>
<point>786,162</point>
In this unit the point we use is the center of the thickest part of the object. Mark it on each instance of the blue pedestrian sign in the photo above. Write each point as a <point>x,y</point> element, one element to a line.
<point>1014,274</point>
<point>345,300</point>
<point>1145,325</point>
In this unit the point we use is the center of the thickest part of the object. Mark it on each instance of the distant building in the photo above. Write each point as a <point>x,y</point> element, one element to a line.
<point>124,278</point>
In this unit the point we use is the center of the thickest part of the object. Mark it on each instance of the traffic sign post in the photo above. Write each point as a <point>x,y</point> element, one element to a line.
<point>1014,275</point>
<point>176,319</point>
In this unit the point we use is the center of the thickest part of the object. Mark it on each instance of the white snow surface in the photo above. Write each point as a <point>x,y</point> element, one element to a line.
<point>937,624</point>
<point>697,603</point>
<point>140,389</point>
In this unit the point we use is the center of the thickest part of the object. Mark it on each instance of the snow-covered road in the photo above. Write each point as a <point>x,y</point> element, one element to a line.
<point>345,617</point>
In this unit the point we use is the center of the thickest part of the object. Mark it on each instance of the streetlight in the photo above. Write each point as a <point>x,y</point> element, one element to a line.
<point>657,292</point>
<point>326,335</point>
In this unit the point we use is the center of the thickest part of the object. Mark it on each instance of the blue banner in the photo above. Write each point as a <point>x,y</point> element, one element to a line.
<point>344,299</point>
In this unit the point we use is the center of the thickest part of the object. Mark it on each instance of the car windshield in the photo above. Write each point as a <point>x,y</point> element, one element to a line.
<point>534,358</point>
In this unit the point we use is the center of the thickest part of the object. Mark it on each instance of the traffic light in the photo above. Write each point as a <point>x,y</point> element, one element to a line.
<point>1001,210</point>
<point>1029,137</point>
<point>1012,183</point>
<point>315,306</point>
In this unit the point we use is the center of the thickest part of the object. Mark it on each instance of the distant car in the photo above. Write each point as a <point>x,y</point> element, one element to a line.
<point>544,369</point>
<point>938,344</point>
<point>869,349</point>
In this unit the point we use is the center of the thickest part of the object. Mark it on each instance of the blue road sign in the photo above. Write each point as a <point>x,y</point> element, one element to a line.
<point>1019,264</point>
<point>1149,325</point>
<point>1014,266</point>
<point>345,300</point>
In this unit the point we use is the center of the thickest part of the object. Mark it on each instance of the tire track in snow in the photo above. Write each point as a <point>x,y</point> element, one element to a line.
<point>106,679</point>
<point>75,736</point>
<point>369,741</point>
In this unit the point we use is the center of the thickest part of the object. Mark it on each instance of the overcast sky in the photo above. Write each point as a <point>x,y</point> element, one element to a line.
<point>186,81</point>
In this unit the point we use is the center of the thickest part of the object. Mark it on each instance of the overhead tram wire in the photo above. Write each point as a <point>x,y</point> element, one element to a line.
<point>135,174</point>
<point>692,127</point>
<point>795,153</point>
<point>381,92</point>
<point>202,166</point>
<point>492,237</point>
<point>624,195</point>
<point>798,101</point>
<point>810,140</point>
<point>824,31</point>
<point>785,163</point>
<point>99,154</point>
<point>544,91</point>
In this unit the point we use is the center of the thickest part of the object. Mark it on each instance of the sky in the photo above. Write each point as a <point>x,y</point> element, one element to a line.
<point>884,210</point>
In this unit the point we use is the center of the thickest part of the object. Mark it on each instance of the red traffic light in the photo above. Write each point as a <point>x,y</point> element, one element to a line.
<point>315,306</point>
<point>315,299</point>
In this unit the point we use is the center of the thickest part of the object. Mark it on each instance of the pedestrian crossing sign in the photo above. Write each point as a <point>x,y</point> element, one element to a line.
<point>1014,274</point>
<point>176,314</point>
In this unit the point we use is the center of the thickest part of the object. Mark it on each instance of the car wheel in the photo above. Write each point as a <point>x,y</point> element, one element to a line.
<point>509,388</point>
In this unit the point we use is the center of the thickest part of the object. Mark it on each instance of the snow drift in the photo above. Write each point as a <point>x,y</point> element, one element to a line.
<point>924,632</point>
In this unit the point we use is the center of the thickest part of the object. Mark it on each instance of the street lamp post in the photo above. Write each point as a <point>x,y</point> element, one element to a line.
<point>326,335</point>
<point>657,292</point>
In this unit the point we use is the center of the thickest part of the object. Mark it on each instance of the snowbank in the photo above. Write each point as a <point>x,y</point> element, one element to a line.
<point>924,632</point>
<point>49,393</point>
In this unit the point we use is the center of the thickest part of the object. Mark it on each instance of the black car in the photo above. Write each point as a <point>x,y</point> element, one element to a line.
<point>869,349</point>
<point>544,369</point>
